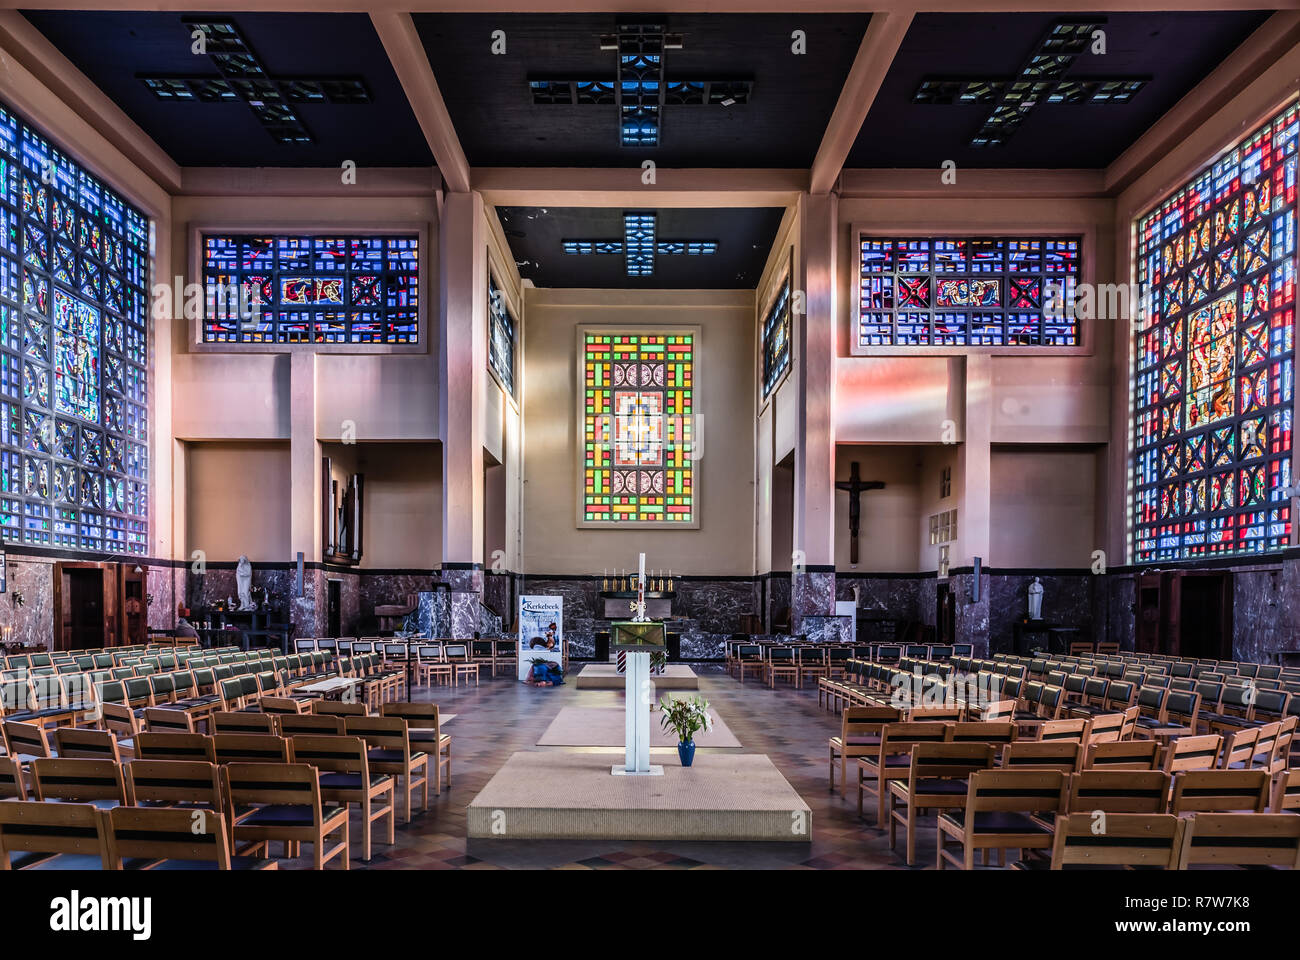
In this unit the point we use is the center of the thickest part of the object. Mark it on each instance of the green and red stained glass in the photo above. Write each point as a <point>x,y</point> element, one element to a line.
<point>1214,356</point>
<point>637,427</point>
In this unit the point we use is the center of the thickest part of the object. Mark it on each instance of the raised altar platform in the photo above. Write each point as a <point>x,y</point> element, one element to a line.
<point>605,676</point>
<point>562,795</point>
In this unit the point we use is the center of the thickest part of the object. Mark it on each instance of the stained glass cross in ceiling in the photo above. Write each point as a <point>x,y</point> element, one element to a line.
<point>640,246</point>
<point>241,75</point>
<point>1041,80</point>
<point>640,88</point>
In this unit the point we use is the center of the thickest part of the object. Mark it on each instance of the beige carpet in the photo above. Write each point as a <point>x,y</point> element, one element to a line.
<point>604,727</point>
<point>555,794</point>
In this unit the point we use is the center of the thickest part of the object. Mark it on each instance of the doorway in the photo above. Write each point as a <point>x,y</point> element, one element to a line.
<point>334,607</point>
<point>945,618</point>
<point>83,609</point>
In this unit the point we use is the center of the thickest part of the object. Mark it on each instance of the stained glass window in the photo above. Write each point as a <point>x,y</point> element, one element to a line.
<point>1214,356</point>
<point>776,339</point>
<point>74,424</point>
<point>637,428</point>
<point>311,289</point>
<point>953,291</point>
<point>501,337</point>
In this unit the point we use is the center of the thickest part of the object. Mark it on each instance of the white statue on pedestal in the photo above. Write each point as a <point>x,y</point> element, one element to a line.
<point>1036,600</point>
<point>244,583</point>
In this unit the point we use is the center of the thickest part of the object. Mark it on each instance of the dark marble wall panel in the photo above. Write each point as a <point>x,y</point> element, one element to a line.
<point>1067,602</point>
<point>1259,628</point>
<point>717,605</point>
<point>972,618</point>
<point>166,585</point>
<point>898,598</point>
<point>497,595</point>
<point>30,623</point>
<point>778,596</point>
<point>811,593</point>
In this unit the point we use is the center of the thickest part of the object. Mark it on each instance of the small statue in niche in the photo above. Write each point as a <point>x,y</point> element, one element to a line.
<point>244,583</point>
<point>1036,600</point>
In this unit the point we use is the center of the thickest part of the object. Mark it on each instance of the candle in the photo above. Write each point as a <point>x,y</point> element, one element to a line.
<point>640,573</point>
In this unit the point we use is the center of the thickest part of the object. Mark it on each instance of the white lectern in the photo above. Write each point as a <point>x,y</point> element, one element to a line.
<point>637,719</point>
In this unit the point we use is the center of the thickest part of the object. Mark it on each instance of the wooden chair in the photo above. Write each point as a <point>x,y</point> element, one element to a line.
<point>892,759</point>
<point>936,780</point>
<point>26,741</point>
<point>286,805</point>
<point>73,743</point>
<point>1123,755</point>
<point>812,664</point>
<point>281,705</point>
<point>1061,755</point>
<point>175,746</point>
<point>1220,791</point>
<point>345,778</point>
<point>173,839</point>
<point>998,733</point>
<point>505,656</point>
<point>431,665</point>
<point>389,751</point>
<point>308,725</point>
<point>859,737</point>
<point>1239,750</point>
<point>1128,840</point>
<point>1106,727</point>
<point>934,714</point>
<point>1119,791</point>
<point>175,783</point>
<point>424,731</point>
<point>781,662</point>
<point>462,664</point>
<point>250,748</point>
<point>749,658</point>
<point>51,836</point>
<point>1241,839</point>
<point>1000,814</point>
<point>167,720</point>
<point>97,782</point>
<point>250,722</point>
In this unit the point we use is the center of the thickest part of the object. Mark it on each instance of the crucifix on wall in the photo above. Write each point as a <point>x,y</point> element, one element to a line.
<point>855,486</point>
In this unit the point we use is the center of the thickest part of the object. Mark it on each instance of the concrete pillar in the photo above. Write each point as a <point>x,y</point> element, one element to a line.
<point>973,510</point>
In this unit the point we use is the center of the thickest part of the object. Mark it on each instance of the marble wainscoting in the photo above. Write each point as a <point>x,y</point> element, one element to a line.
<point>583,610</point>
<point>907,597</point>
<point>32,622</point>
<point>166,584</point>
<point>778,595</point>
<point>812,593</point>
<point>1260,628</point>
<point>972,617</point>
<point>826,629</point>
<point>498,595</point>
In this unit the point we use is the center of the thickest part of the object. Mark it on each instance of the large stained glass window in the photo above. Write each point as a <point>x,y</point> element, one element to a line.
<point>1214,356</point>
<point>311,289</point>
<point>978,292</point>
<point>501,337</point>
<point>637,427</point>
<point>776,338</point>
<point>74,426</point>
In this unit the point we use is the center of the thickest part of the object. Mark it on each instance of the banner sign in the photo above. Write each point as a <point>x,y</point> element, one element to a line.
<point>541,631</point>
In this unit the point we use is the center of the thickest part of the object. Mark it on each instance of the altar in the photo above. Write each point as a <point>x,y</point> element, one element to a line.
<point>633,635</point>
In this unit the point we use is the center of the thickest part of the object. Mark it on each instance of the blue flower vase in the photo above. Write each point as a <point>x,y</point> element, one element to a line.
<point>686,750</point>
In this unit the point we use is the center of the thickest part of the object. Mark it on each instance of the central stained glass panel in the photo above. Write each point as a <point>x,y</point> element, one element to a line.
<point>637,428</point>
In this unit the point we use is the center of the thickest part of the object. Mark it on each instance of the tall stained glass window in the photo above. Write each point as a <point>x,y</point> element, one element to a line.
<point>501,337</point>
<point>311,289</point>
<point>637,428</point>
<point>956,291</point>
<point>1214,358</point>
<point>74,425</point>
<point>776,338</point>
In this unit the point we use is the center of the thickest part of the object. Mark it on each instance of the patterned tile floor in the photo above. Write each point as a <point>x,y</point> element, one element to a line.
<point>502,716</point>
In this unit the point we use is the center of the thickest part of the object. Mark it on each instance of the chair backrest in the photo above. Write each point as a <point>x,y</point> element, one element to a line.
<point>899,737</point>
<point>1286,791</point>
<point>420,716</point>
<point>309,724</point>
<point>1239,748</point>
<point>1105,727</point>
<point>174,781</point>
<point>163,720</point>
<point>1020,790</point>
<point>1220,791</point>
<point>187,836</point>
<point>1192,753</point>
<point>282,705</point>
<point>337,708</point>
<point>387,733</point>
<point>1119,791</point>
<point>1130,839</point>
<point>28,739</point>
<point>1242,839</point>
<point>980,731</point>
<point>333,753</point>
<point>1061,755</point>
<point>1074,728</point>
<point>931,761</point>
<point>1123,755</point>
<point>250,748</point>
<point>31,826</point>
<point>250,723</point>
<point>12,786</point>
<point>78,780</point>
<point>174,746</point>
<point>78,743</point>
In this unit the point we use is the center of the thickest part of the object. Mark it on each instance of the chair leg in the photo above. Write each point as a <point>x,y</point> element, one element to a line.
<point>392,812</point>
<point>970,854</point>
<point>365,827</point>
<point>911,835</point>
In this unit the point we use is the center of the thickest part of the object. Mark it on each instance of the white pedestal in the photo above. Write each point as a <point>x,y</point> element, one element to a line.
<point>636,732</point>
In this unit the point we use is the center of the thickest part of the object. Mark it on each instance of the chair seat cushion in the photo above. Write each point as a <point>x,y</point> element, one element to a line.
<point>350,781</point>
<point>236,863</point>
<point>953,786</point>
<point>997,821</point>
<point>287,815</point>
<point>380,755</point>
